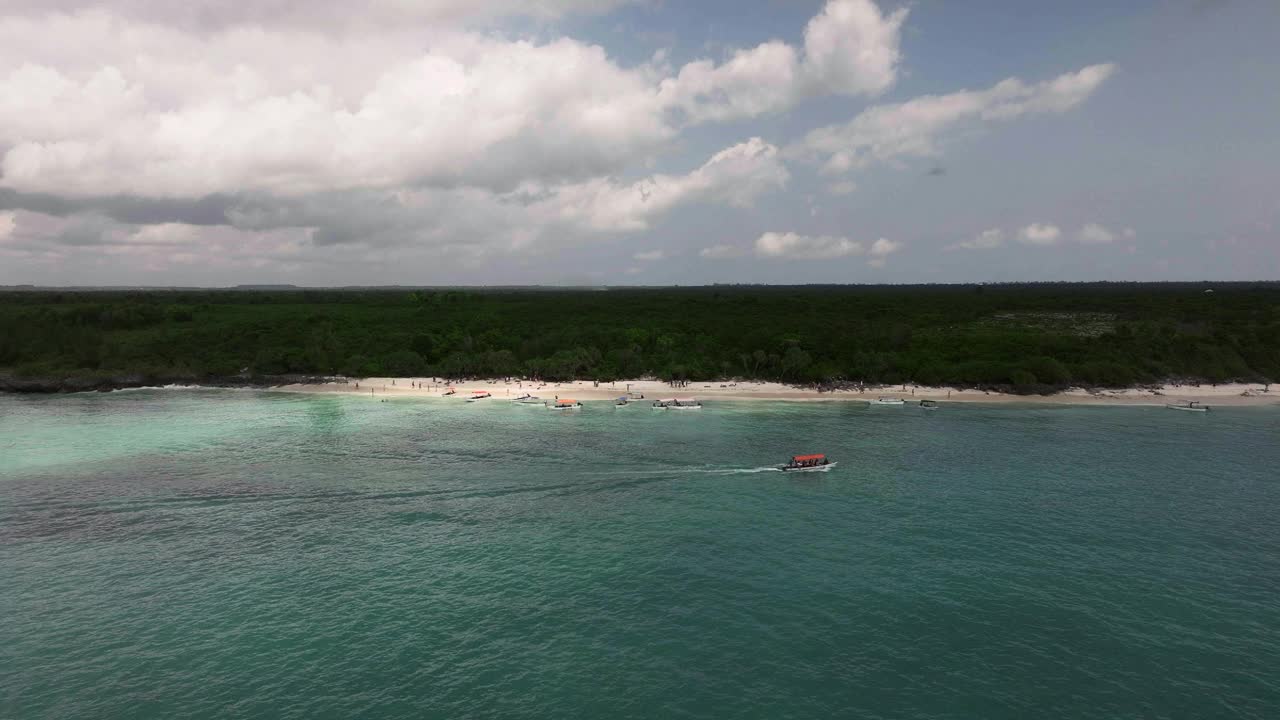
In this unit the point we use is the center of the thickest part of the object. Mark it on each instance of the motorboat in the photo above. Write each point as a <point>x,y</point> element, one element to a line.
<point>622,402</point>
<point>564,404</point>
<point>527,399</point>
<point>449,392</point>
<point>677,404</point>
<point>888,401</point>
<point>808,463</point>
<point>479,395</point>
<point>929,404</point>
<point>1189,406</point>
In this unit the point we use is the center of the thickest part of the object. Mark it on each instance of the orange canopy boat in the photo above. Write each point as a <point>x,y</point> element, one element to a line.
<point>808,462</point>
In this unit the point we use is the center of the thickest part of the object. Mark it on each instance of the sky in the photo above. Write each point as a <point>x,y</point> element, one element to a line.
<point>647,142</point>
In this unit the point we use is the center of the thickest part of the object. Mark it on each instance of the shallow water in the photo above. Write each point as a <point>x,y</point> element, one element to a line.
<point>248,554</point>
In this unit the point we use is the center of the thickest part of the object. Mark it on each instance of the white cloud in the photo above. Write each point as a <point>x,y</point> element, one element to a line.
<point>850,48</point>
<point>881,250</point>
<point>735,176</point>
<point>649,255</point>
<point>7,224</point>
<point>1039,234</point>
<point>804,247</point>
<point>269,101</point>
<point>329,15</point>
<point>245,116</point>
<point>915,128</point>
<point>985,240</point>
<point>884,247</point>
<point>721,252</point>
<point>1095,234</point>
<point>844,187</point>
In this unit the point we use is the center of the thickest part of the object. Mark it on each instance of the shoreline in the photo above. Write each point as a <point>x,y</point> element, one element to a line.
<point>1230,394</point>
<point>1227,394</point>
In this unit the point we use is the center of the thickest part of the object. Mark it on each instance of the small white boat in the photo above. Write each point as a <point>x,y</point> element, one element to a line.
<point>624,401</point>
<point>564,404</point>
<point>1190,406</point>
<point>808,463</point>
<point>477,395</point>
<point>889,401</point>
<point>685,404</point>
<point>677,404</point>
<point>527,399</point>
<point>449,392</point>
<point>928,404</point>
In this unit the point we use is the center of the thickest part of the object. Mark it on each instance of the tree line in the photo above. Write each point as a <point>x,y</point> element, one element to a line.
<point>1028,338</point>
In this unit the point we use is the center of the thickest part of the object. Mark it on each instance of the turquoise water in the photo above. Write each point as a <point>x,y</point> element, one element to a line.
<point>241,554</point>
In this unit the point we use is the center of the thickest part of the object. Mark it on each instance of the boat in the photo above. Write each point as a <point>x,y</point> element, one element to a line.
<point>1189,406</point>
<point>449,392</point>
<point>808,463</point>
<point>623,401</point>
<point>564,404</point>
<point>478,395</point>
<point>527,399</point>
<point>889,401</point>
<point>929,404</point>
<point>677,404</point>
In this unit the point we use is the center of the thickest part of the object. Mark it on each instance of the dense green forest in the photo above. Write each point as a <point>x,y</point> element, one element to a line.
<point>1026,337</point>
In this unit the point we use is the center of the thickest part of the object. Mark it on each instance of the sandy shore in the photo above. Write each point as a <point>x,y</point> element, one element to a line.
<point>1228,394</point>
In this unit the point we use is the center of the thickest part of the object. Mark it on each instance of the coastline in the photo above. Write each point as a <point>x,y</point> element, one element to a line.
<point>1226,394</point>
<point>1229,394</point>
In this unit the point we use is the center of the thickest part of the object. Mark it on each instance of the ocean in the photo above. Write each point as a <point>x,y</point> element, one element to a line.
<point>221,554</point>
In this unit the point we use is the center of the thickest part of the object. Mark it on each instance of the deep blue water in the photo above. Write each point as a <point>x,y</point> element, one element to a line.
<point>242,554</point>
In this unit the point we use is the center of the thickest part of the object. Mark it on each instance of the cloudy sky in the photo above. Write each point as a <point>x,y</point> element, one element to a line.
<point>216,142</point>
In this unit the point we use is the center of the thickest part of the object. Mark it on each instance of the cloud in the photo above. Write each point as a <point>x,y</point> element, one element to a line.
<point>326,15</point>
<point>264,102</point>
<point>985,240</point>
<point>1039,234</point>
<point>7,223</point>
<point>721,252</point>
<point>164,125</point>
<point>844,187</point>
<point>794,246</point>
<point>735,176</point>
<point>884,247</point>
<point>917,127</point>
<point>426,224</point>
<point>649,255</point>
<point>1096,234</point>
<point>850,48</point>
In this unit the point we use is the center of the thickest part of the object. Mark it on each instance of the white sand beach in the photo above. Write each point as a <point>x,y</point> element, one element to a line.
<point>1224,394</point>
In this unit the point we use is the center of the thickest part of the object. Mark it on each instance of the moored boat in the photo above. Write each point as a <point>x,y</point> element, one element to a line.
<point>449,392</point>
<point>479,395</point>
<point>929,404</point>
<point>1189,406</point>
<point>564,404</point>
<point>621,402</point>
<point>888,401</point>
<point>685,404</point>
<point>527,399</point>
<point>808,463</point>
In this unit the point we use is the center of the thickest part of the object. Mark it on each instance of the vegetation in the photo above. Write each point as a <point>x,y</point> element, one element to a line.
<point>1029,338</point>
